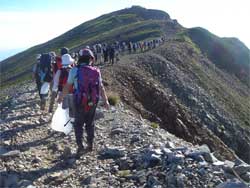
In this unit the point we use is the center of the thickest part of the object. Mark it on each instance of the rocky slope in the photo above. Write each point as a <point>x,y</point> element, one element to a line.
<point>178,87</point>
<point>129,152</point>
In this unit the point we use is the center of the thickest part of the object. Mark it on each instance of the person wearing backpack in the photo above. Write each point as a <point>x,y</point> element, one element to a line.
<point>43,74</point>
<point>60,79</point>
<point>88,88</point>
<point>35,75</point>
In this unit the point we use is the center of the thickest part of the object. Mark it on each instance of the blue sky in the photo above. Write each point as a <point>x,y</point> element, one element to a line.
<point>25,23</point>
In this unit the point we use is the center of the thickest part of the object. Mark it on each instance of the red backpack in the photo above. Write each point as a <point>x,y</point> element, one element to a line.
<point>88,83</point>
<point>63,79</point>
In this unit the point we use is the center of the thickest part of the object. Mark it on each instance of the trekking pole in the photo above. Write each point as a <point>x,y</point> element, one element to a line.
<point>67,123</point>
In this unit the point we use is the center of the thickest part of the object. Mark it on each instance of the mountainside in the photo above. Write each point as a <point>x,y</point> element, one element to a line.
<point>192,90</point>
<point>229,54</point>
<point>129,152</point>
<point>186,94</point>
<point>133,24</point>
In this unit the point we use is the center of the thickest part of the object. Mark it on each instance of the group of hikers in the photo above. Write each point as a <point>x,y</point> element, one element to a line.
<point>104,53</point>
<point>76,83</point>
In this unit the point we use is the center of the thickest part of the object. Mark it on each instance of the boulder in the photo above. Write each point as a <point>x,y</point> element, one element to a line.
<point>112,153</point>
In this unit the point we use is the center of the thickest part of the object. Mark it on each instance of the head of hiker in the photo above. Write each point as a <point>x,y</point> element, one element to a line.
<point>86,56</point>
<point>64,50</point>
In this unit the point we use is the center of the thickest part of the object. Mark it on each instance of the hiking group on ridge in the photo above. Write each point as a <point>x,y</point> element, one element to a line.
<point>76,83</point>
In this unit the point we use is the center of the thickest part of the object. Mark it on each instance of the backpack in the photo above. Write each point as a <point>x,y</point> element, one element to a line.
<point>44,68</point>
<point>63,79</point>
<point>88,83</point>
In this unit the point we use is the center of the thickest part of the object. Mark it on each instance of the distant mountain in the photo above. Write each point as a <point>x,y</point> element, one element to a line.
<point>131,24</point>
<point>229,54</point>
<point>9,52</point>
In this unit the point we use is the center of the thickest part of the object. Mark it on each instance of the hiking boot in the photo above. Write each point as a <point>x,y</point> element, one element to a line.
<point>42,104</point>
<point>89,148</point>
<point>80,152</point>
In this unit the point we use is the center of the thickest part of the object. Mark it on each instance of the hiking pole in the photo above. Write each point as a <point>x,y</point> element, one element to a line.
<point>67,123</point>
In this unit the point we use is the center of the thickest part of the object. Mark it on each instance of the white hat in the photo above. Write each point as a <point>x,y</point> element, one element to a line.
<point>67,60</point>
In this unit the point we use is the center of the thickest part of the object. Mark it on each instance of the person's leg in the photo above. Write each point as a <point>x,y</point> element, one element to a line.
<point>52,101</point>
<point>90,128</point>
<point>72,108</point>
<point>78,127</point>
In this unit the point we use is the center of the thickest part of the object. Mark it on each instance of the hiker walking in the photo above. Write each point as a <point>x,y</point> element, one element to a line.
<point>43,74</point>
<point>35,74</point>
<point>111,51</point>
<point>88,88</point>
<point>60,79</point>
<point>105,53</point>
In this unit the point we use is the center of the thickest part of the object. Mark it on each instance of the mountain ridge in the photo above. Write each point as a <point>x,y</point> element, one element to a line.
<point>179,85</point>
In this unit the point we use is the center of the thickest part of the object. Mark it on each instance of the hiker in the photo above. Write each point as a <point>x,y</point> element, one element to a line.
<point>88,87</point>
<point>43,74</point>
<point>56,66</point>
<point>111,52</point>
<point>105,53</point>
<point>61,76</point>
<point>130,46</point>
<point>99,54</point>
<point>35,75</point>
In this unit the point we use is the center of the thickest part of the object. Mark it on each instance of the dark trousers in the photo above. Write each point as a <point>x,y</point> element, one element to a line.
<point>84,118</point>
<point>39,85</point>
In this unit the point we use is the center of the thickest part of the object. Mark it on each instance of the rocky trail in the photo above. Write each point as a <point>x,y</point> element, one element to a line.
<point>129,151</point>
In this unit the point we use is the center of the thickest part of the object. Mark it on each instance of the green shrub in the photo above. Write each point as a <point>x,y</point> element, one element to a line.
<point>113,99</point>
<point>154,125</point>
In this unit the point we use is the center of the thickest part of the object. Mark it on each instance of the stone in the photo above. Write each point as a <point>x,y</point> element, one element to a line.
<point>135,138</point>
<point>202,171</point>
<point>86,181</point>
<point>9,180</point>
<point>70,161</point>
<point>171,181</point>
<point>242,169</point>
<point>196,155</point>
<point>166,151</point>
<point>31,186</point>
<point>246,177</point>
<point>177,159</point>
<point>232,185</point>
<point>67,153</point>
<point>112,153</point>
<point>218,163</point>
<point>180,181</point>
<point>99,114</point>
<point>36,160</point>
<point>154,160</point>
<point>228,166</point>
<point>140,176</point>
<point>117,131</point>
<point>10,154</point>
<point>170,145</point>
<point>3,150</point>
<point>24,183</point>
<point>153,182</point>
<point>157,151</point>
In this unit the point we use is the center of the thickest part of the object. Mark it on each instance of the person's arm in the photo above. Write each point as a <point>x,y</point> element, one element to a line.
<point>104,96</point>
<point>65,91</point>
<point>67,86</point>
<point>56,80</point>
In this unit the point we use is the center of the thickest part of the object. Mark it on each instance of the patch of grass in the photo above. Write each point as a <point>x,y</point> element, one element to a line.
<point>124,173</point>
<point>154,125</point>
<point>113,98</point>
